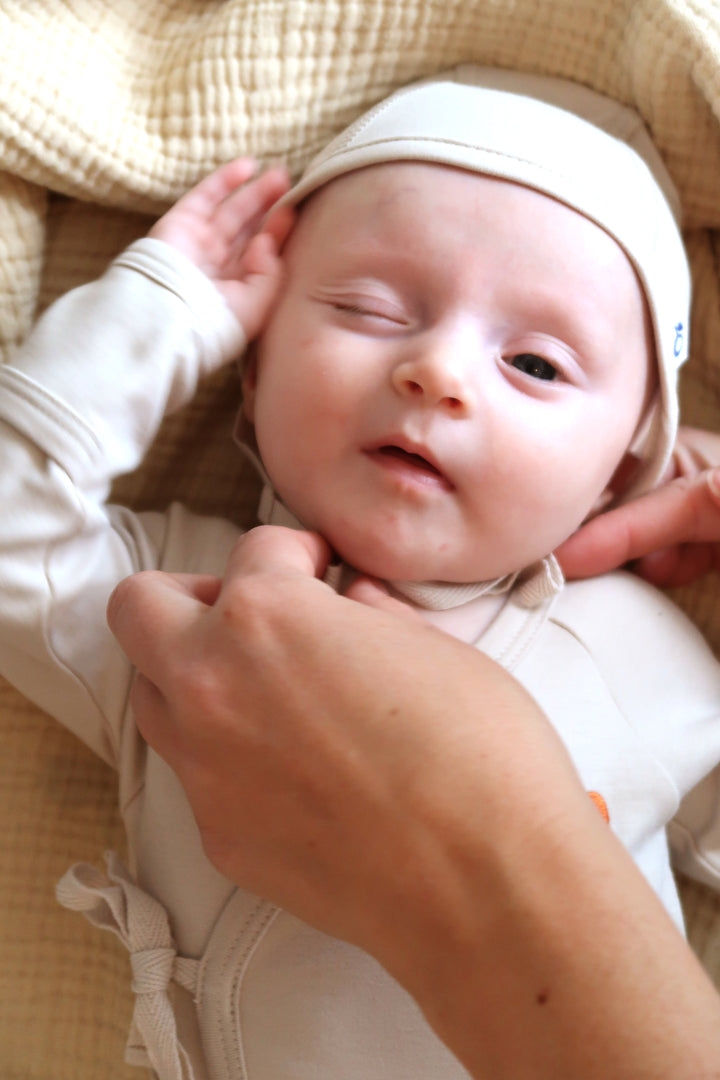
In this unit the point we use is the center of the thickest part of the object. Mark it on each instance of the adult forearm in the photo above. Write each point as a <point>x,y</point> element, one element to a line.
<point>552,958</point>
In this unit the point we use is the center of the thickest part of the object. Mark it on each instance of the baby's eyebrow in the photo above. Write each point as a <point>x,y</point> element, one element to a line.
<point>362,270</point>
<point>578,327</point>
<point>351,253</point>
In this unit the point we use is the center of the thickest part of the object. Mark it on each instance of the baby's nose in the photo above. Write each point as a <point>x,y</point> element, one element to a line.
<point>437,375</point>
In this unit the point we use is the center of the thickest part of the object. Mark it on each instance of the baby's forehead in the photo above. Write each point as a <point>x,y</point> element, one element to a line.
<point>384,194</point>
<point>389,180</point>
<point>408,202</point>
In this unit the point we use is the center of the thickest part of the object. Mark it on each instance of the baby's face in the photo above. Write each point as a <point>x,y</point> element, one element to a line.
<point>452,374</point>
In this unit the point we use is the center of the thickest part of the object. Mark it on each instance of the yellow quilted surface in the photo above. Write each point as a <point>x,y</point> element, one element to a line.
<point>109,109</point>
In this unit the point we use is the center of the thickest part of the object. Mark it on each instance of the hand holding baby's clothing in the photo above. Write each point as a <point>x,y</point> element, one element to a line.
<point>319,761</point>
<point>221,225</point>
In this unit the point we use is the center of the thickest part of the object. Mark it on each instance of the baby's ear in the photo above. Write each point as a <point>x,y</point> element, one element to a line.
<point>624,475</point>
<point>620,481</point>
<point>249,384</point>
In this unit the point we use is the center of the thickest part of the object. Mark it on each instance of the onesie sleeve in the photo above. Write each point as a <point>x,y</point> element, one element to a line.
<point>79,405</point>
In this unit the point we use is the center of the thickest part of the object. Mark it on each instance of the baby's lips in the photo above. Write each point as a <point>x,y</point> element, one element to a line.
<point>420,460</point>
<point>410,466</point>
<point>413,452</point>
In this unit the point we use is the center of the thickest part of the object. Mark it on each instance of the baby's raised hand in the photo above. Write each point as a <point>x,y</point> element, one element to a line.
<point>216,226</point>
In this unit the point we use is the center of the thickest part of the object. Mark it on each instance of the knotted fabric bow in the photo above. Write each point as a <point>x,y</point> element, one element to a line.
<point>116,903</point>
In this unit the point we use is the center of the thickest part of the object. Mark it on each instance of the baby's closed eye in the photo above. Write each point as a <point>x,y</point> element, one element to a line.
<point>370,310</point>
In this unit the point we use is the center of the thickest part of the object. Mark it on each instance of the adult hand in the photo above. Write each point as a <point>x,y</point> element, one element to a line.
<point>303,783</point>
<point>673,532</point>
<point>398,789</point>
<point>221,225</point>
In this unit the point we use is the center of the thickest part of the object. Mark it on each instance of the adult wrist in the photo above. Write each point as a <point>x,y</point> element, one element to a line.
<point>549,956</point>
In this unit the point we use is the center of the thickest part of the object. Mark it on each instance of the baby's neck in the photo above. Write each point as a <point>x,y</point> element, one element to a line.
<point>465,622</point>
<point>462,610</point>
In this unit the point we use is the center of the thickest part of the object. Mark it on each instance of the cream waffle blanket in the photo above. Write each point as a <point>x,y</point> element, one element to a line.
<point>109,109</point>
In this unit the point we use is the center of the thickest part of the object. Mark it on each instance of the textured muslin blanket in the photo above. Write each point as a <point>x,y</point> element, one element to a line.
<point>109,109</point>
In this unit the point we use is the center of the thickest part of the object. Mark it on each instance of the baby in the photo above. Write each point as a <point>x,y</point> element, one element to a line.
<point>482,312</point>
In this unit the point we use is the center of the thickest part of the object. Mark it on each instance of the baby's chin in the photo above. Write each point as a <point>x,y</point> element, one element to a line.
<point>377,560</point>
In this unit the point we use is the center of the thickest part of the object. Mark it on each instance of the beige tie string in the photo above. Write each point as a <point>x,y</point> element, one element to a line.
<point>115,902</point>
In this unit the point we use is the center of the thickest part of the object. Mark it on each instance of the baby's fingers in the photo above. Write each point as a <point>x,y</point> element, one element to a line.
<point>251,296</point>
<point>279,224</point>
<point>207,195</point>
<point>239,216</point>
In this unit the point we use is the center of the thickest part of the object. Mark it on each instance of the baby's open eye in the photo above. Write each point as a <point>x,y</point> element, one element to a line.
<point>535,366</point>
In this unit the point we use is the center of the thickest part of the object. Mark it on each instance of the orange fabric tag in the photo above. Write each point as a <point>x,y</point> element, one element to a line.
<point>601,804</point>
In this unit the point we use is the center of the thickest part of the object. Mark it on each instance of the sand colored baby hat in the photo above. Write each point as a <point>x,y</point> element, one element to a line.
<point>562,139</point>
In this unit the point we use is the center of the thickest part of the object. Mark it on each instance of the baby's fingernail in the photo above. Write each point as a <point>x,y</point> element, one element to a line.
<point>713,479</point>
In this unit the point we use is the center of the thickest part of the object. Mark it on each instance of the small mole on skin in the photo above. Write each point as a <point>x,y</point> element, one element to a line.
<point>542,997</point>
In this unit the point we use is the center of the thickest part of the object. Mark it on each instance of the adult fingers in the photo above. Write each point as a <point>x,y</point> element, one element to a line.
<point>685,511</point>
<point>659,567</point>
<point>150,712</point>
<point>204,587</point>
<point>680,565</point>
<point>271,549</point>
<point>695,451</point>
<point>371,593</point>
<point>148,611</point>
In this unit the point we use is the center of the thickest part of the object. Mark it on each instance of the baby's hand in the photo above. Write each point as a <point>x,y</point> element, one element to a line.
<point>216,226</point>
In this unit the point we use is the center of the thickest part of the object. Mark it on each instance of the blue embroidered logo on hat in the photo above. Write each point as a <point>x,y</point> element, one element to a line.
<point>678,343</point>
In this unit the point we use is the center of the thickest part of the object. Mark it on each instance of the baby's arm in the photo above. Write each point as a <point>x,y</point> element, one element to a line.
<point>79,405</point>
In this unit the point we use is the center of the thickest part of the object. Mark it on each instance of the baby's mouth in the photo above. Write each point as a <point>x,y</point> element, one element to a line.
<point>409,463</point>
<point>414,460</point>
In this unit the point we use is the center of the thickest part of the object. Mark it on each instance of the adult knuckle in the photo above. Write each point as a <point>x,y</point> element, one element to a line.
<point>251,607</point>
<point>129,596</point>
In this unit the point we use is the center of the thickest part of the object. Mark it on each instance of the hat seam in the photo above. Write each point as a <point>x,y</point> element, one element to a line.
<point>362,122</point>
<point>499,154</point>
